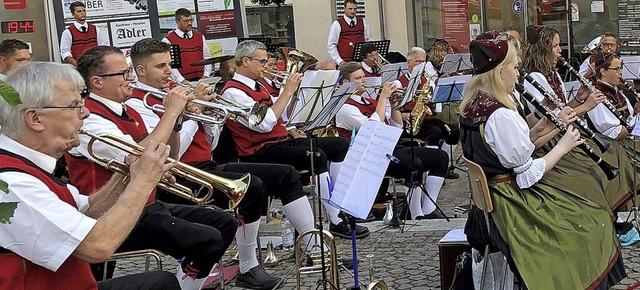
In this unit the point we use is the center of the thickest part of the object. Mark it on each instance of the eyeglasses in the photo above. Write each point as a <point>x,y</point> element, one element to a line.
<point>263,62</point>
<point>126,74</point>
<point>78,105</point>
<point>608,44</point>
<point>615,68</point>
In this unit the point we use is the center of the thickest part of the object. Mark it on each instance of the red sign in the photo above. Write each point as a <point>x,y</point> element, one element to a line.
<point>15,4</point>
<point>455,24</point>
<point>219,24</point>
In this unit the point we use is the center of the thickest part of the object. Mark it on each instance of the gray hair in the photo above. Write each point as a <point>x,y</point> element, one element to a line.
<point>248,48</point>
<point>35,82</point>
<point>416,50</point>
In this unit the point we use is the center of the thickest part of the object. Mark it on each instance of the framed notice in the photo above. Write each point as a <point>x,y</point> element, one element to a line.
<point>106,10</point>
<point>220,24</point>
<point>214,5</point>
<point>455,24</point>
<point>169,7</point>
<point>126,33</point>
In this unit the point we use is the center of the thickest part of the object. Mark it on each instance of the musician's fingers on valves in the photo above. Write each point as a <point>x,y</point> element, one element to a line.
<point>293,81</point>
<point>177,99</point>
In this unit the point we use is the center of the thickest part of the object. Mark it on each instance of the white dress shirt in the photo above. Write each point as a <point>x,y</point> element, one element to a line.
<point>66,40</point>
<point>334,35</point>
<point>239,96</point>
<point>542,80</point>
<point>350,117</point>
<point>44,229</point>
<point>98,125</point>
<point>585,67</point>
<point>507,134</point>
<point>189,127</point>
<point>175,74</point>
<point>605,122</point>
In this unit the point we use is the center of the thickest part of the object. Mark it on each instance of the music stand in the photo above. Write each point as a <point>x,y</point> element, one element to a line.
<point>453,63</point>
<point>393,71</point>
<point>381,45</point>
<point>415,80</point>
<point>176,58</point>
<point>631,66</point>
<point>316,86</point>
<point>634,193</point>
<point>264,40</point>
<point>371,91</point>
<point>572,89</point>
<point>333,105</point>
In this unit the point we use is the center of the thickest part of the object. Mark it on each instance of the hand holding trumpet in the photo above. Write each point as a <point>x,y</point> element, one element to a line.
<point>151,166</point>
<point>176,100</point>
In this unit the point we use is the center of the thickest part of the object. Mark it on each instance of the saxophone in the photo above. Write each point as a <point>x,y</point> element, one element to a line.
<point>421,109</point>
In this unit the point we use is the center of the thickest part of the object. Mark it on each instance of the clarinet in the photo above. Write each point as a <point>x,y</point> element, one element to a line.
<point>585,82</point>
<point>610,171</point>
<point>631,89</point>
<point>579,123</point>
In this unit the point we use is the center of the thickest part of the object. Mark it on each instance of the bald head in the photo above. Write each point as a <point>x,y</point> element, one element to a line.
<point>326,64</point>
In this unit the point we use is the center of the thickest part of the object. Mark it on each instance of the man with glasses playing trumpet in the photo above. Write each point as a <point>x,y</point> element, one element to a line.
<point>197,140</point>
<point>54,232</point>
<point>268,142</point>
<point>198,235</point>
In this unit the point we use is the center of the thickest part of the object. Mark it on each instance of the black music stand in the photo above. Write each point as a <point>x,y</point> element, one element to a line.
<point>391,72</point>
<point>450,90</point>
<point>316,86</point>
<point>176,58</point>
<point>572,89</point>
<point>381,45</point>
<point>453,63</point>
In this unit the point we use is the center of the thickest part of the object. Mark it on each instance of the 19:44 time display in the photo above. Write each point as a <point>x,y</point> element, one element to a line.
<point>18,26</point>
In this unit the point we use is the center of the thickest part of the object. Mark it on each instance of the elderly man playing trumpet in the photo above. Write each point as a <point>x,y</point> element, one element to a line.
<point>197,234</point>
<point>54,232</point>
<point>197,139</point>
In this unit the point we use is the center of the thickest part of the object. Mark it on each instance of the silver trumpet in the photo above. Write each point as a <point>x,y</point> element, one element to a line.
<point>278,75</point>
<point>223,109</point>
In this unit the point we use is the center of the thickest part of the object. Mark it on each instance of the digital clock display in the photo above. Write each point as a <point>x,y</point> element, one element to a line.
<point>18,26</point>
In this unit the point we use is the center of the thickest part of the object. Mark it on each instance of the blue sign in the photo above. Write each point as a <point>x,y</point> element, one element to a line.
<point>517,6</point>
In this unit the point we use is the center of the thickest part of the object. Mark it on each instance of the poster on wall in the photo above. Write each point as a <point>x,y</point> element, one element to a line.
<point>126,33</point>
<point>219,24</point>
<point>455,24</point>
<point>169,7</point>
<point>629,26</point>
<point>214,5</point>
<point>222,46</point>
<point>106,10</point>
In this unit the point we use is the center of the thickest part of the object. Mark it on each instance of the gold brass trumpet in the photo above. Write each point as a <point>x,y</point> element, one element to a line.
<point>234,189</point>
<point>223,109</point>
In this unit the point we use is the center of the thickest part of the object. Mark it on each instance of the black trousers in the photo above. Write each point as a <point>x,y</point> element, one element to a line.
<point>434,130</point>
<point>199,235</point>
<point>424,159</point>
<point>294,152</point>
<point>143,281</point>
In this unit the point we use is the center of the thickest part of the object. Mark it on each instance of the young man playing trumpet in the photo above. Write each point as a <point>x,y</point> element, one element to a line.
<point>198,235</point>
<point>371,63</point>
<point>268,142</point>
<point>198,140</point>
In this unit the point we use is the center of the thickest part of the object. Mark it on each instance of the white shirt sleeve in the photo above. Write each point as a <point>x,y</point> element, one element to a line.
<point>97,124</point>
<point>65,44</point>
<point>349,117</point>
<point>513,147</point>
<point>332,42</point>
<point>189,129</point>
<point>206,53</point>
<point>44,229</point>
<point>150,118</point>
<point>213,134</point>
<point>269,121</point>
<point>584,67</point>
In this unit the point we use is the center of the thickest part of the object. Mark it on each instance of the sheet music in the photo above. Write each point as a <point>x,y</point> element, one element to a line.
<point>572,89</point>
<point>364,168</point>
<point>315,89</point>
<point>450,89</point>
<point>414,83</point>
<point>330,109</point>
<point>391,72</point>
<point>372,92</point>
<point>456,62</point>
<point>631,66</point>
<point>636,127</point>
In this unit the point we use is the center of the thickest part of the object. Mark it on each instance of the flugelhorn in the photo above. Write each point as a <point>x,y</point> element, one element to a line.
<point>234,189</point>
<point>223,109</point>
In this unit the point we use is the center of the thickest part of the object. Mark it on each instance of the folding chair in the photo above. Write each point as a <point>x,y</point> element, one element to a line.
<point>482,199</point>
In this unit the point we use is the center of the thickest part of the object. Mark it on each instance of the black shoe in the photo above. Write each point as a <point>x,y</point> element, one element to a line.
<point>256,278</point>
<point>369,218</point>
<point>451,174</point>
<point>342,230</point>
<point>434,215</point>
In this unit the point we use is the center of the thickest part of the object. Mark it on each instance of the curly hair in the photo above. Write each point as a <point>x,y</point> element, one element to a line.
<point>537,55</point>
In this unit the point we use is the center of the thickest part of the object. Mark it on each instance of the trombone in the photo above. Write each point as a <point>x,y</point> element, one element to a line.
<point>225,109</point>
<point>234,189</point>
<point>278,75</point>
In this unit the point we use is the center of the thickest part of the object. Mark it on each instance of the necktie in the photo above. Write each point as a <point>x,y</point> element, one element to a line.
<point>83,28</point>
<point>257,88</point>
<point>353,23</point>
<point>186,35</point>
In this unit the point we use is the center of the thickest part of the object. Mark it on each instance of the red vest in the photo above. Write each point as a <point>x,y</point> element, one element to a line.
<point>190,52</point>
<point>199,150</point>
<point>366,110</point>
<point>247,140</point>
<point>349,36</point>
<point>89,176</point>
<point>369,74</point>
<point>273,91</point>
<point>17,273</point>
<point>82,41</point>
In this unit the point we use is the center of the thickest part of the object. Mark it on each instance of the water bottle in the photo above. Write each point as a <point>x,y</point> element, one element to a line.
<point>287,233</point>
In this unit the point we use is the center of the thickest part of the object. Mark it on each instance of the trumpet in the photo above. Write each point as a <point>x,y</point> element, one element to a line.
<point>278,75</point>
<point>234,189</point>
<point>224,109</point>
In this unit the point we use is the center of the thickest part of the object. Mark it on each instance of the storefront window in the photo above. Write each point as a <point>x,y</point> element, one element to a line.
<point>428,22</point>
<point>275,23</point>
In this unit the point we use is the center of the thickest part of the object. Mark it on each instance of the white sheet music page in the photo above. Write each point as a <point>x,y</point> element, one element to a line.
<point>636,126</point>
<point>364,168</point>
<point>372,92</point>
<point>314,85</point>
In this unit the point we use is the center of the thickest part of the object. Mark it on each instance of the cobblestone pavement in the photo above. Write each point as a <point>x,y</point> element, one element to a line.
<point>405,260</point>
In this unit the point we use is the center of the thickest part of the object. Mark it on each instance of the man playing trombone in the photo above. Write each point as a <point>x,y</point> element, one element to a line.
<point>199,235</point>
<point>371,62</point>
<point>54,232</point>
<point>267,142</point>
<point>197,139</point>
